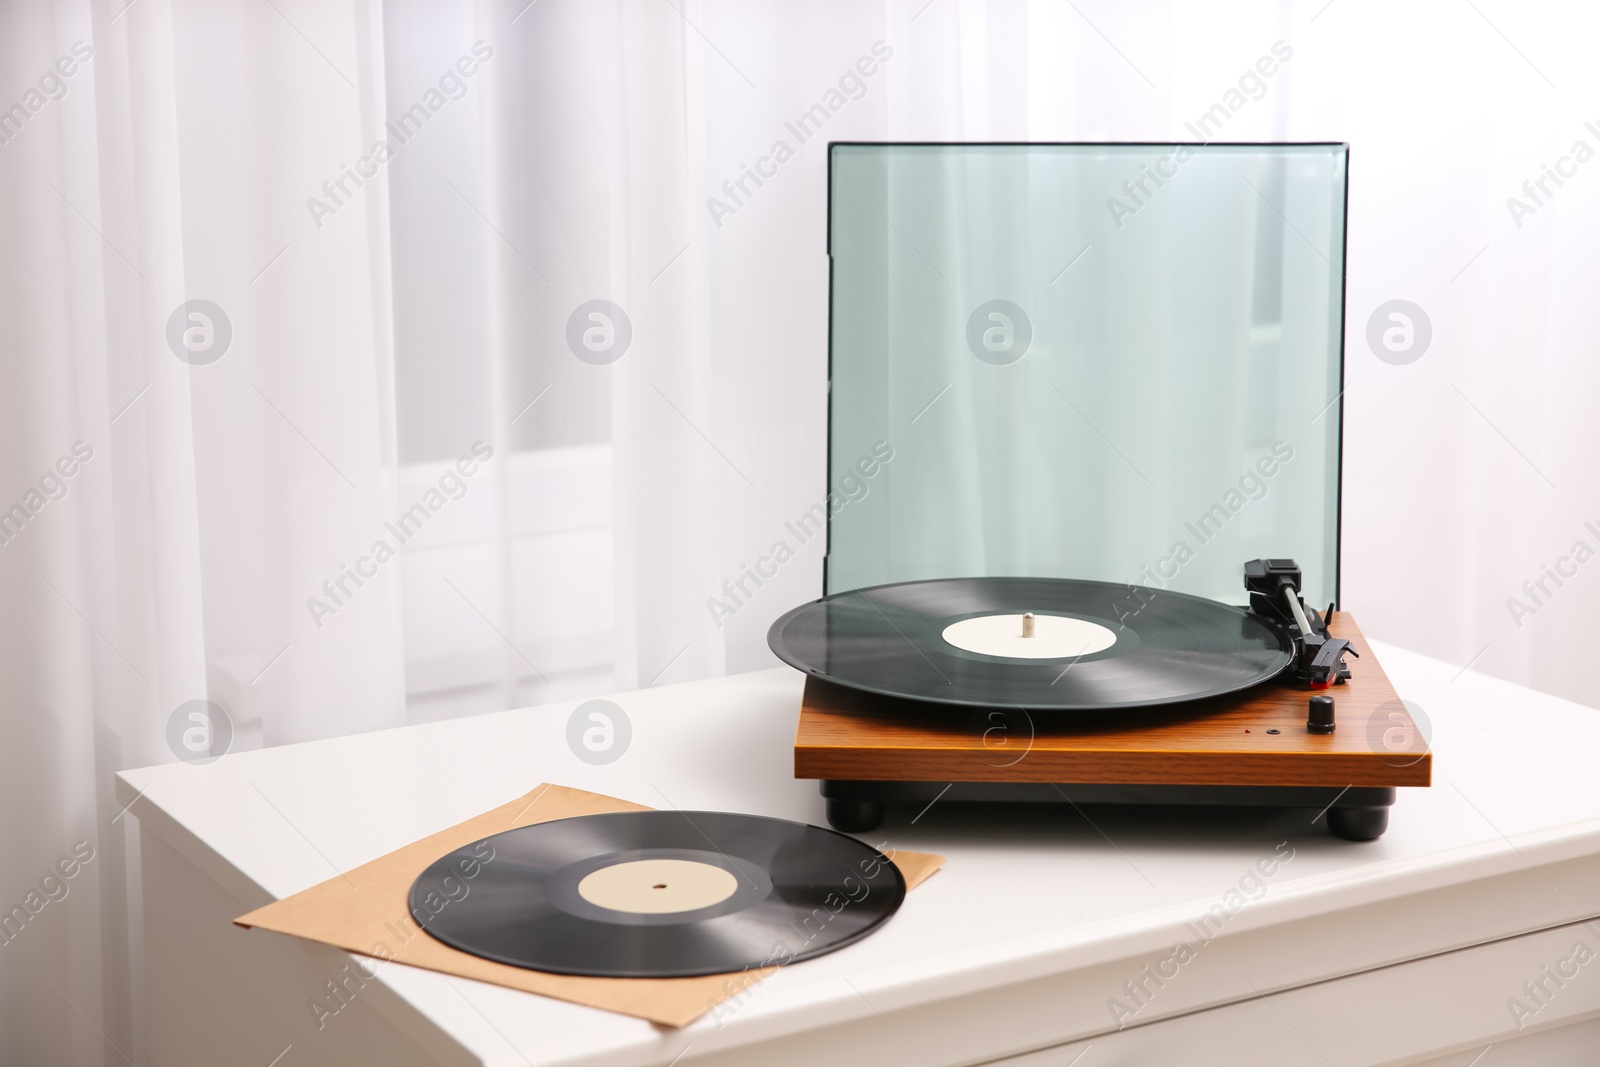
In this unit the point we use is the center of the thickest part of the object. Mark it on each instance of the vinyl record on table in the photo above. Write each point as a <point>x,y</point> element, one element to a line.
<point>1097,645</point>
<point>657,894</point>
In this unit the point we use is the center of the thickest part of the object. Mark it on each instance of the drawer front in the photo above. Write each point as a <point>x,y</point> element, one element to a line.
<point>1539,994</point>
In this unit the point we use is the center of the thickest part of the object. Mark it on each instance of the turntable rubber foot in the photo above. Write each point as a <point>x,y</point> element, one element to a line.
<point>1358,824</point>
<point>857,816</point>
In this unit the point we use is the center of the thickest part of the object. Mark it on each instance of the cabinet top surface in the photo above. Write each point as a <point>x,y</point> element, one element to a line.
<point>1027,892</point>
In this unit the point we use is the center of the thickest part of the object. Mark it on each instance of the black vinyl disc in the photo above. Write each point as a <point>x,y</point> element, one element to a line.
<point>1144,647</point>
<point>657,894</point>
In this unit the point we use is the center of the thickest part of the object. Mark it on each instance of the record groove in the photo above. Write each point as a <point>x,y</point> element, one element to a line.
<point>1169,647</point>
<point>799,891</point>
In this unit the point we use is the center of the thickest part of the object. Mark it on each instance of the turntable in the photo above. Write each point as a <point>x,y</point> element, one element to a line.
<point>1054,434</point>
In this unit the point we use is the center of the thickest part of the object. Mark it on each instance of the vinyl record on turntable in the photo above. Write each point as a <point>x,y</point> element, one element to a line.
<point>1036,643</point>
<point>657,894</point>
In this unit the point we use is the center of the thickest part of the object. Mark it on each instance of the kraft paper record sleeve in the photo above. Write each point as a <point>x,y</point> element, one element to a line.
<point>369,910</point>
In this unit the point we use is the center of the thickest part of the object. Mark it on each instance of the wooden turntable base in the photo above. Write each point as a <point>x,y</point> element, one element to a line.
<point>854,741</point>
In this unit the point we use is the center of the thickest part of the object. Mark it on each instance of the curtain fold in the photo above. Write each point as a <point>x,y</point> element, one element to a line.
<point>208,485</point>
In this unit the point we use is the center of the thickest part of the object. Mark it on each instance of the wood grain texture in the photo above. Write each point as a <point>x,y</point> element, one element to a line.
<point>850,735</point>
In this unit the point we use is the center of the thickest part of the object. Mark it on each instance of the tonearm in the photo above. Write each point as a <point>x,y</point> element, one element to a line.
<point>1274,586</point>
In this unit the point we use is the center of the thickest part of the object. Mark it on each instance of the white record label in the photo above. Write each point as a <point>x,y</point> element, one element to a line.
<point>1054,636</point>
<point>656,887</point>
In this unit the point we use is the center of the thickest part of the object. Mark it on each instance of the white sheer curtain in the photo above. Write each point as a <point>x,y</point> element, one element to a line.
<point>168,565</point>
<point>208,540</point>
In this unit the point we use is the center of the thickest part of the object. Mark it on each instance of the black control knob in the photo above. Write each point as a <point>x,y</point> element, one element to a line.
<point>1320,718</point>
